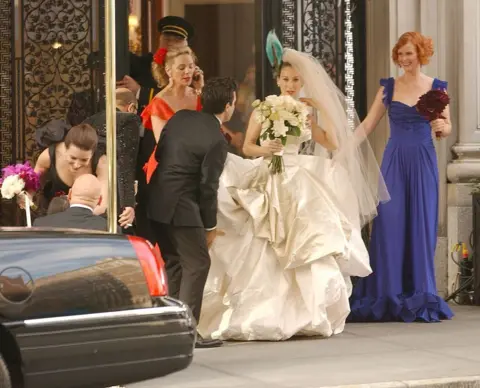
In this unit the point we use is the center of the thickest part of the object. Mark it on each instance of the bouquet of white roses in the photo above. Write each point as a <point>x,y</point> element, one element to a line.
<point>280,116</point>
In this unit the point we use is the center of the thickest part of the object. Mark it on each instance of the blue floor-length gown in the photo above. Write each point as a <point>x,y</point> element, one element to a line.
<point>402,249</point>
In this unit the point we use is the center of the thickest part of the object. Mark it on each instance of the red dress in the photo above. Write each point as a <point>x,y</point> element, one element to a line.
<point>158,107</point>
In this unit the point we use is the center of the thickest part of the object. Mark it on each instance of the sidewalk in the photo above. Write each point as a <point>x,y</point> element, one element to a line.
<point>362,355</point>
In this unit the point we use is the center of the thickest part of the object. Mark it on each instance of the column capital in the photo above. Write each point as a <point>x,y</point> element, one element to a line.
<point>467,165</point>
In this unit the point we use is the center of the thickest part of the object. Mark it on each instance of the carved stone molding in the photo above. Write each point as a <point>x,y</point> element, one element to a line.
<point>467,165</point>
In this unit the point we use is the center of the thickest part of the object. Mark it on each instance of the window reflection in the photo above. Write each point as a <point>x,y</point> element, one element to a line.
<point>135,28</point>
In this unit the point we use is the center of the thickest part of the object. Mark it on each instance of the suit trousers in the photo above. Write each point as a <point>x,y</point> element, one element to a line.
<point>143,225</point>
<point>187,262</point>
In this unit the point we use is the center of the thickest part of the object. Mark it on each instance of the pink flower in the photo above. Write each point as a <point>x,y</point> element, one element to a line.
<point>25,172</point>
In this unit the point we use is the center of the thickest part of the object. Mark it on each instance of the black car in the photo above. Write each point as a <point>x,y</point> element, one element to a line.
<point>86,309</point>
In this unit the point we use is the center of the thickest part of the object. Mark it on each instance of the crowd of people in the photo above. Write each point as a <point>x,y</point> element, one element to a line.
<point>256,255</point>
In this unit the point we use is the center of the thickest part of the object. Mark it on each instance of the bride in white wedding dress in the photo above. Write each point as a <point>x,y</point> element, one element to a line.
<point>291,240</point>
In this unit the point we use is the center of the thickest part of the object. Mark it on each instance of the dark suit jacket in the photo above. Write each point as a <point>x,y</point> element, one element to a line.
<point>141,71</point>
<point>73,217</point>
<point>146,96</point>
<point>191,155</point>
<point>128,138</point>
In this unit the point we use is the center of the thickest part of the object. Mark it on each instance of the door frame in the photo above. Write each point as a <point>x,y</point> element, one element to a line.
<point>268,15</point>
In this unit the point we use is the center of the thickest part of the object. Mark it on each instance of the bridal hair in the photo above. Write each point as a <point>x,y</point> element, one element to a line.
<point>422,43</point>
<point>158,70</point>
<point>282,66</point>
<point>82,136</point>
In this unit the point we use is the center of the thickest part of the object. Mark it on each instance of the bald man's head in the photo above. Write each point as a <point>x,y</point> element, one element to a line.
<point>126,100</point>
<point>86,190</point>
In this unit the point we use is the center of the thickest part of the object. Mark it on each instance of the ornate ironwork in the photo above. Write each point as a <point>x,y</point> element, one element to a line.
<point>6,83</point>
<point>349,66</point>
<point>289,23</point>
<point>7,210</point>
<point>322,34</point>
<point>57,41</point>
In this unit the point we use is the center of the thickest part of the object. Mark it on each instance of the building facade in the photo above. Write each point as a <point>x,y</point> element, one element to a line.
<point>51,60</point>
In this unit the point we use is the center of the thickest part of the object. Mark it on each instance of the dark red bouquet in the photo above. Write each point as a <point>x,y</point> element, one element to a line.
<point>432,104</point>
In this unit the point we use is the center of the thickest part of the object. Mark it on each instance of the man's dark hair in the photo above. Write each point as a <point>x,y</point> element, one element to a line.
<point>58,205</point>
<point>217,93</point>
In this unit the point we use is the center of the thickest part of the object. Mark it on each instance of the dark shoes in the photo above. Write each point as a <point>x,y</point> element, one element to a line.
<point>207,343</point>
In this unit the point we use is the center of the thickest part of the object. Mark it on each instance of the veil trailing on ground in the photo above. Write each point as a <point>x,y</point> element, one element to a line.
<point>354,165</point>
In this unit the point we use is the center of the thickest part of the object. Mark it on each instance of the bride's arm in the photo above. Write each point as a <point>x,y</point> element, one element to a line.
<point>325,137</point>
<point>376,112</point>
<point>250,147</point>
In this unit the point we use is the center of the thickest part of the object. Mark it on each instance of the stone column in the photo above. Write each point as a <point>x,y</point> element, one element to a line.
<point>378,65</point>
<point>466,163</point>
<point>431,17</point>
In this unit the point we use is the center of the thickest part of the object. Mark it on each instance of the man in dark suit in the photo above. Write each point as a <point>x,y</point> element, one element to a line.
<point>84,196</point>
<point>182,206</point>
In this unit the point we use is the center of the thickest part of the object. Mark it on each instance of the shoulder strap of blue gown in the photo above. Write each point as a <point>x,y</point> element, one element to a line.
<point>387,83</point>
<point>439,84</point>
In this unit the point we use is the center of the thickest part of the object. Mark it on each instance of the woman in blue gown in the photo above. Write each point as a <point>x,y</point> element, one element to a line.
<point>402,249</point>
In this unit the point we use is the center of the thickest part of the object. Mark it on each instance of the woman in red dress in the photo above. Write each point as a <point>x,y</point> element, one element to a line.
<point>184,80</point>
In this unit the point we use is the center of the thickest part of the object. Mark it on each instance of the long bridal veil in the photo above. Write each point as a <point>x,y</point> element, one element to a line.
<point>353,162</point>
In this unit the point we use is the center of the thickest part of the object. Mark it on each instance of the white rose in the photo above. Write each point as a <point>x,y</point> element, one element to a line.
<point>294,121</point>
<point>258,116</point>
<point>283,114</point>
<point>266,110</point>
<point>12,186</point>
<point>7,193</point>
<point>256,103</point>
<point>274,101</point>
<point>280,129</point>
<point>289,103</point>
<point>304,114</point>
<point>274,115</point>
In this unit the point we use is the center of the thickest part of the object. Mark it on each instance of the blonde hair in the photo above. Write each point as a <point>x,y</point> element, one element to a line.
<point>158,71</point>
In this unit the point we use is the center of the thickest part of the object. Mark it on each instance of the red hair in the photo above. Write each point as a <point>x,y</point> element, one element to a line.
<point>423,45</point>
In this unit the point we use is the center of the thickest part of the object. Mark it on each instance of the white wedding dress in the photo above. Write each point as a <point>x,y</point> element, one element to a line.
<point>283,266</point>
